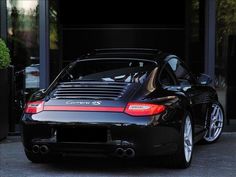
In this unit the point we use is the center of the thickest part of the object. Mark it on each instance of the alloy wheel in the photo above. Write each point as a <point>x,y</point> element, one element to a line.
<point>216,123</point>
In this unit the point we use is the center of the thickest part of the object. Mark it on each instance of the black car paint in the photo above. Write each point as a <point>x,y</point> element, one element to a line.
<point>150,135</point>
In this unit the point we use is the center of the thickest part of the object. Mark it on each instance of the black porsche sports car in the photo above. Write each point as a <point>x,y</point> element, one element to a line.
<point>124,103</point>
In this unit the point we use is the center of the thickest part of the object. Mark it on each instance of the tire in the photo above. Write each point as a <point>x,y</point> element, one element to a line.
<point>214,123</point>
<point>183,157</point>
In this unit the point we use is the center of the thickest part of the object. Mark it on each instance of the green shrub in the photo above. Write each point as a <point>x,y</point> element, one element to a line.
<point>4,55</point>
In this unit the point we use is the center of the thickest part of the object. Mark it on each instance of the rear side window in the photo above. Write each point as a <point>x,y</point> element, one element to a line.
<point>166,79</point>
<point>110,70</point>
<point>181,72</point>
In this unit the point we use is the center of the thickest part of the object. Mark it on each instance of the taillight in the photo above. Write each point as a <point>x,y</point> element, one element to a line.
<point>34,107</point>
<point>143,109</point>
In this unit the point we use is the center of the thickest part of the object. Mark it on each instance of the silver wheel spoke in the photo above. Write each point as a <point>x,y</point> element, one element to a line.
<point>188,139</point>
<point>214,111</point>
<point>220,126</point>
<point>189,130</point>
<point>217,114</point>
<point>190,149</point>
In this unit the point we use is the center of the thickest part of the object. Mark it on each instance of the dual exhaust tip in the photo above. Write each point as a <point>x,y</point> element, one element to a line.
<point>119,152</point>
<point>40,149</point>
<point>125,153</point>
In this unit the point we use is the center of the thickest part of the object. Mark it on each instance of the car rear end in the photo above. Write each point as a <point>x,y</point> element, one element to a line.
<point>100,113</point>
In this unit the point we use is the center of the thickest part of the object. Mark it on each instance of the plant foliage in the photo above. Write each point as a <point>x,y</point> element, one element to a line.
<point>4,55</point>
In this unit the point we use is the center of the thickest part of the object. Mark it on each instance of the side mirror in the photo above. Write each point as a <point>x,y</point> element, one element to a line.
<point>204,79</point>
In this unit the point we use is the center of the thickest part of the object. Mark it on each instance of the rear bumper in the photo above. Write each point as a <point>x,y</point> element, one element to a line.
<point>146,140</point>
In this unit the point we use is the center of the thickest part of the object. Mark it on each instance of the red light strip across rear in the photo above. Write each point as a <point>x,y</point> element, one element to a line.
<point>83,108</point>
<point>132,108</point>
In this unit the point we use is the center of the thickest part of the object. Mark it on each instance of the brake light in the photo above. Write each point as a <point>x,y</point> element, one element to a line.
<point>143,109</point>
<point>34,107</point>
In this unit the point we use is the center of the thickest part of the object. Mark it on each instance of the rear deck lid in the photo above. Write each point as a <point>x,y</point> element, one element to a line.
<point>90,96</point>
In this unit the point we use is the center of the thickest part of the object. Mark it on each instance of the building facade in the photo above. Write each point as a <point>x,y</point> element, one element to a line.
<point>45,35</point>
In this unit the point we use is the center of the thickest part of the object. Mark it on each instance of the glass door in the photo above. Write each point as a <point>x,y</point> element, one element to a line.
<point>23,41</point>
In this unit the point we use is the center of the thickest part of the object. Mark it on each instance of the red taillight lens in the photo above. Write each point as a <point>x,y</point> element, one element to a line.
<point>34,107</point>
<point>143,109</point>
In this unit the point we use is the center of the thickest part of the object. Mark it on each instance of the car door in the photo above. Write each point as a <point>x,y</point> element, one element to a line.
<point>187,85</point>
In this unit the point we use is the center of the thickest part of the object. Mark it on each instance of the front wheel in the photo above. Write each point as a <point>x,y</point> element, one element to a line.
<point>215,123</point>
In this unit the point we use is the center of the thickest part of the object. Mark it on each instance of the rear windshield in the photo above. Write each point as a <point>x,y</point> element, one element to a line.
<point>110,71</point>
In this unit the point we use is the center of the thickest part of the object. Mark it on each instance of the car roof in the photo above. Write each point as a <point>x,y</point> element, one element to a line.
<point>132,53</point>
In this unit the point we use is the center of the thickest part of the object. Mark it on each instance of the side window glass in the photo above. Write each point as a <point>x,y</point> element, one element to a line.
<point>173,64</point>
<point>165,78</point>
<point>182,74</point>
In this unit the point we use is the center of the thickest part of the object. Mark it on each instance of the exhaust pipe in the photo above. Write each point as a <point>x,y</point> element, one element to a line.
<point>120,152</point>
<point>125,153</point>
<point>35,149</point>
<point>130,152</point>
<point>44,149</point>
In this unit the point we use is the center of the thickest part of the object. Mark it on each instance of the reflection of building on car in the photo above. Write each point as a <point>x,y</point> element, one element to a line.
<point>32,76</point>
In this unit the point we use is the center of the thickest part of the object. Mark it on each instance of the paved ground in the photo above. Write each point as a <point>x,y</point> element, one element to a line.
<point>217,160</point>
